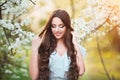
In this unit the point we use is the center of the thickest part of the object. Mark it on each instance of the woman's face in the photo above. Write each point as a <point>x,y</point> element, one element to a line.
<point>58,28</point>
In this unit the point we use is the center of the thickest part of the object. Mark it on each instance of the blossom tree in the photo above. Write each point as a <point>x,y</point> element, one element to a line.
<point>13,37</point>
<point>99,13</point>
<point>103,14</point>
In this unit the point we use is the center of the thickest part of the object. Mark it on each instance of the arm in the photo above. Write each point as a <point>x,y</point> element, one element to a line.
<point>33,67</point>
<point>79,58</point>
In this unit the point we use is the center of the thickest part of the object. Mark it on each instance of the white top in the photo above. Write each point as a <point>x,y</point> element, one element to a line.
<point>59,65</point>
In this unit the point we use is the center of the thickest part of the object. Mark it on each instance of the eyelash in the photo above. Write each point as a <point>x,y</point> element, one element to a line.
<point>53,26</point>
<point>62,26</point>
<point>59,26</point>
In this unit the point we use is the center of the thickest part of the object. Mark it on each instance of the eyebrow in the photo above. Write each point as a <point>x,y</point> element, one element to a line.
<point>58,24</point>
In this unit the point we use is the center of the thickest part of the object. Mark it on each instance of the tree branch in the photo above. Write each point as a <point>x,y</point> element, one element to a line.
<point>3,3</point>
<point>7,40</point>
<point>99,26</point>
<point>101,58</point>
<point>32,2</point>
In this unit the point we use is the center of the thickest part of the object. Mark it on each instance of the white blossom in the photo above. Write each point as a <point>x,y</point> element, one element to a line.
<point>15,76</point>
<point>7,71</point>
<point>98,11</point>
<point>25,22</point>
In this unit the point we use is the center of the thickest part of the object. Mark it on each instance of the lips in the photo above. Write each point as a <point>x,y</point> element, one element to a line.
<point>57,34</point>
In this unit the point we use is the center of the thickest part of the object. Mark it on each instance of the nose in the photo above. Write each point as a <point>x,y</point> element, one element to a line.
<point>57,29</point>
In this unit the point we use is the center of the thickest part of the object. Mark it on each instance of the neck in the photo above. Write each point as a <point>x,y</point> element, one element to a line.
<point>60,42</point>
<point>60,46</point>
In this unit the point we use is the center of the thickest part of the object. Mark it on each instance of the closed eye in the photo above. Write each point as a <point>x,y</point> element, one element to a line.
<point>61,26</point>
<point>53,26</point>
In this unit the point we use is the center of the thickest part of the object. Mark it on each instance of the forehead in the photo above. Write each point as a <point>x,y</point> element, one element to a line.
<point>57,20</point>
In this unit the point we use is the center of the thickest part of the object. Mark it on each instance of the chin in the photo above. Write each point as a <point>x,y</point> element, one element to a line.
<point>58,37</point>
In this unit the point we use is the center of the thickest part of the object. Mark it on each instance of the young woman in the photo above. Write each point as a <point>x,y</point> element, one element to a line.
<point>55,52</point>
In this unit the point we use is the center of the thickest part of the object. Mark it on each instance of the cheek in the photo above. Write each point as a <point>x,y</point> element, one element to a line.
<point>64,30</point>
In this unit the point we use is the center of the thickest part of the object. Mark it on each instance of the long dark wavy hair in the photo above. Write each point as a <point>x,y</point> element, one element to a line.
<point>49,43</point>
